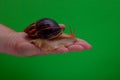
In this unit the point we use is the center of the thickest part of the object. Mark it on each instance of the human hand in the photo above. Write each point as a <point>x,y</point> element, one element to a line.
<point>17,43</point>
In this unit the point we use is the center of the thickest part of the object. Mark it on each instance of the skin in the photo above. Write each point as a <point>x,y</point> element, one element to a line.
<point>17,44</point>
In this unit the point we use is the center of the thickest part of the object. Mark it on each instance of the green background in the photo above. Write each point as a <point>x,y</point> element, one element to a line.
<point>97,21</point>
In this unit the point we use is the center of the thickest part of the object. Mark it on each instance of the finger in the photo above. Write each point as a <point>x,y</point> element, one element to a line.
<point>76,48</point>
<point>83,43</point>
<point>62,26</point>
<point>61,50</point>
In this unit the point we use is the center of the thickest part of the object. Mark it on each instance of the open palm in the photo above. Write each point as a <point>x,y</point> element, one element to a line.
<point>19,45</point>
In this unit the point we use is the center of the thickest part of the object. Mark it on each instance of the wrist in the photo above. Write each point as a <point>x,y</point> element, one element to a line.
<point>7,43</point>
<point>5,38</point>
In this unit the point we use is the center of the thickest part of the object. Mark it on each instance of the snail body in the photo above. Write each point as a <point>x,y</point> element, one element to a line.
<point>47,35</point>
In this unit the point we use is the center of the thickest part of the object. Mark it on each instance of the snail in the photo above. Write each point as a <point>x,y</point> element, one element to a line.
<point>47,35</point>
<point>45,28</point>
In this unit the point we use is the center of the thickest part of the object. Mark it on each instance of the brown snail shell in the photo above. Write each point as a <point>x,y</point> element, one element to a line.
<point>45,28</point>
